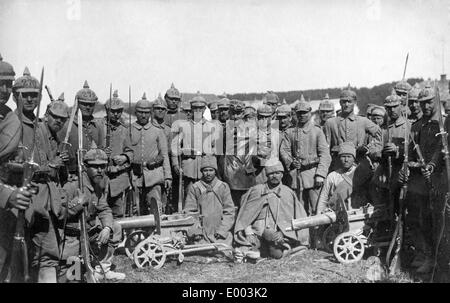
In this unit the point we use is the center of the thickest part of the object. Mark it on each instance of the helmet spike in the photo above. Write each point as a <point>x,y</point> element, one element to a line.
<point>116,93</point>
<point>85,85</point>
<point>26,72</point>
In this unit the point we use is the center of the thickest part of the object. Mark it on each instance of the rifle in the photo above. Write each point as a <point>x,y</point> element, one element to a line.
<point>49,94</point>
<point>65,145</point>
<point>445,152</point>
<point>422,163</point>
<point>131,201</point>
<point>84,238</point>
<point>108,120</point>
<point>180,176</point>
<point>19,254</point>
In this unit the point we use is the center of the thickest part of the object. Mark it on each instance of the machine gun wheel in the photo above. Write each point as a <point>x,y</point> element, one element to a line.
<point>149,252</point>
<point>328,237</point>
<point>133,240</point>
<point>348,248</point>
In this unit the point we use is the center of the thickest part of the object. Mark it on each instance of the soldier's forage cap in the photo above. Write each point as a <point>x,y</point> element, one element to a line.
<point>26,83</point>
<point>249,110</point>
<point>271,98</point>
<point>213,106</point>
<point>264,110</point>
<point>426,94</point>
<point>6,70</point>
<point>347,94</point>
<point>347,148</point>
<point>159,102</point>
<point>95,156</point>
<point>392,100</point>
<point>198,101</point>
<point>144,105</point>
<point>86,94</point>
<point>208,161</point>
<point>186,105</point>
<point>173,93</point>
<point>223,103</point>
<point>115,102</point>
<point>237,105</point>
<point>413,94</point>
<point>273,165</point>
<point>283,110</point>
<point>303,106</point>
<point>370,106</point>
<point>378,111</point>
<point>59,108</point>
<point>402,87</point>
<point>326,105</point>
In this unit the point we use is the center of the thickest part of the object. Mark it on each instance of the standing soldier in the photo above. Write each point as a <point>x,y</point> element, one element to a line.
<point>120,155</point>
<point>347,126</point>
<point>223,107</point>
<point>326,111</point>
<point>414,104</point>
<point>378,115</point>
<point>402,89</point>
<point>191,140</point>
<point>174,111</point>
<point>370,107</point>
<point>272,100</point>
<point>151,165</point>
<point>304,151</point>
<point>236,109</point>
<point>213,110</point>
<point>283,114</point>
<point>11,197</point>
<point>93,131</point>
<point>249,113</point>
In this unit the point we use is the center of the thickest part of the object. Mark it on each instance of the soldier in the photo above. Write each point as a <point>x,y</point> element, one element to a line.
<point>326,110</point>
<point>211,198</point>
<point>187,111</point>
<point>272,100</point>
<point>304,152</point>
<point>151,164</point>
<point>378,115</point>
<point>120,155</point>
<point>236,109</point>
<point>93,130</point>
<point>370,107</point>
<point>267,210</point>
<point>402,89</point>
<point>223,110</point>
<point>11,197</point>
<point>283,114</point>
<point>174,111</point>
<point>191,140</point>
<point>106,235</point>
<point>249,114</point>
<point>414,104</point>
<point>347,126</point>
<point>213,110</point>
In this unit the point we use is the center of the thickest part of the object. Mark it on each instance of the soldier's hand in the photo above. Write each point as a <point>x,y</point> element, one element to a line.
<point>318,181</point>
<point>278,237</point>
<point>177,169</point>
<point>119,159</point>
<point>252,239</point>
<point>64,156</point>
<point>296,164</point>
<point>427,171</point>
<point>108,151</point>
<point>362,150</point>
<point>82,198</point>
<point>403,176</point>
<point>20,198</point>
<point>104,235</point>
<point>389,149</point>
<point>168,184</point>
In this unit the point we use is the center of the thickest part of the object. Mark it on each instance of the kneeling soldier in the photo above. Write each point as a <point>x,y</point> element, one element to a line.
<point>103,232</point>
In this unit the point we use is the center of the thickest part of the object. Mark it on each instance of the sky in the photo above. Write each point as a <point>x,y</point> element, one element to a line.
<point>222,46</point>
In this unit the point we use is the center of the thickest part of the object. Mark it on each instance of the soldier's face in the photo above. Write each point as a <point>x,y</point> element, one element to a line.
<point>87,108</point>
<point>5,90</point>
<point>197,113</point>
<point>303,117</point>
<point>214,114</point>
<point>224,114</point>
<point>172,104</point>
<point>142,117</point>
<point>274,179</point>
<point>414,106</point>
<point>274,106</point>
<point>159,112</point>
<point>55,123</point>
<point>30,100</point>
<point>188,114</point>
<point>347,106</point>
<point>115,115</point>
<point>346,160</point>
<point>427,107</point>
<point>96,172</point>
<point>284,121</point>
<point>378,120</point>
<point>393,112</point>
<point>325,115</point>
<point>208,174</point>
<point>263,121</point>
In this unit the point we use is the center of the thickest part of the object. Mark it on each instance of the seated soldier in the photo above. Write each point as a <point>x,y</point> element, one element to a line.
<point>339,183</point>
<point>266,211</point>
<point>211,198</point>
<point>104,233</point>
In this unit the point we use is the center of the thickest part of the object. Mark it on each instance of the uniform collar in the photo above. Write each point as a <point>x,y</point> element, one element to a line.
<point>89,122</point>
<point>146,126</point>
<point>307,127</point>
<point>276,190</point>
<point>351,117</point>
<point>400,121</point>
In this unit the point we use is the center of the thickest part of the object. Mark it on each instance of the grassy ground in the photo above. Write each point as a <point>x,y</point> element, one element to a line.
<point>310,266</point>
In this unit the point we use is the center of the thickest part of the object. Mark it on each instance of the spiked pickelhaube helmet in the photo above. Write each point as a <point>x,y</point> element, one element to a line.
<point>402,87</point>
<point>271,98</point>
<point>392,100</point>
<point>347,94</point>
<point>115,102</point>
<point>26,83</point>
<point>6,70</point>
<point>159,102</point>
<point>173,93</point>
<point>86,94</point>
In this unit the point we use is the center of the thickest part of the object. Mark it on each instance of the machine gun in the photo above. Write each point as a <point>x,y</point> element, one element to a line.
<point>84,238</point>
<point>18,266</point>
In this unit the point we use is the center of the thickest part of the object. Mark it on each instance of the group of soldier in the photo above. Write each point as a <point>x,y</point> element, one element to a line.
<point>247,171</point>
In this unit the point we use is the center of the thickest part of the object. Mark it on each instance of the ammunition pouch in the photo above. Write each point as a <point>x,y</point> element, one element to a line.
<point>75,232</point>
<point>307,164</point>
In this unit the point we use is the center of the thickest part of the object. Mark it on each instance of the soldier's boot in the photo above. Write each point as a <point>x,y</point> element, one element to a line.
<point>426,267</point>
<point>107,273</point>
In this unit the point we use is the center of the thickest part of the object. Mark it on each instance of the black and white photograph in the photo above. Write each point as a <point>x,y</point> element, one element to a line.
<point>241,143</point>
